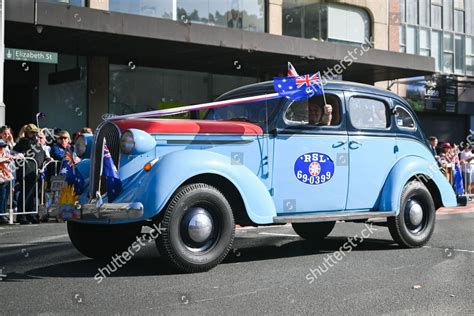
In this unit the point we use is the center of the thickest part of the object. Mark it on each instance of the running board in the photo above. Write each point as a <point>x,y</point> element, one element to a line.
<point>327,217</point>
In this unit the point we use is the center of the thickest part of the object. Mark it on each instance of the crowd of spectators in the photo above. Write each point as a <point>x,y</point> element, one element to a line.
<point>21,166</point>
<point>456,162</point>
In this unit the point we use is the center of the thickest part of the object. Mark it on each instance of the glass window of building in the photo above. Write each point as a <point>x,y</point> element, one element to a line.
<point>436,16</point>
<point>79,3</point>
<point>402,40</point>
<point>459,54</point>
<point>469,9</point>
<point>424,12</point>
<point>425,46</point>
<point>412,11</point>
<point>470,55</point>
<point>64,103</point>
<point>448,15</point>
<point>247,15</point>
<point>348,24</point>
<point>153,8</point>
<point>146,88</point>
<point>448,55</point>
<point>322,21</point>
<point>412,40</point>
<point>436,48</point>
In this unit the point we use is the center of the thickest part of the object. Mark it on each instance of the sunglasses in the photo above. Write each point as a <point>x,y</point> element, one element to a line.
<point>63,137</point>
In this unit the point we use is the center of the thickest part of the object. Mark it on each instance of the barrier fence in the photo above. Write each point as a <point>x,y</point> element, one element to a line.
<point>39,189</point>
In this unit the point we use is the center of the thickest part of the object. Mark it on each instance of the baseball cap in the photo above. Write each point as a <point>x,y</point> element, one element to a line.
<point>3,143</point>
<point>446,145</point>
<point>31,128</point>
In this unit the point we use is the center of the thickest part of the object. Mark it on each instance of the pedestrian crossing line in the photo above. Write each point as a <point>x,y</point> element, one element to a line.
<point>278,234</point>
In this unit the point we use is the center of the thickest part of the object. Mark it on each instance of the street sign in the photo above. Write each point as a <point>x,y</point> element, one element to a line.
<point>34,56</point>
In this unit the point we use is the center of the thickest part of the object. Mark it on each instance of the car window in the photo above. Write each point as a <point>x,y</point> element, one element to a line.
<point>311,111</point>
<point>403,118</point>
<point>366,113</point>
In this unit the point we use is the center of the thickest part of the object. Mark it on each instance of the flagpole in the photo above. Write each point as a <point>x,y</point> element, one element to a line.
<point>101,166</point>
<point>322,88</point>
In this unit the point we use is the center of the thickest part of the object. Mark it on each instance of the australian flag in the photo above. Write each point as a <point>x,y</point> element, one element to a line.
<point>110,172</point>
<point>298,88</point>
<point>73,176</point>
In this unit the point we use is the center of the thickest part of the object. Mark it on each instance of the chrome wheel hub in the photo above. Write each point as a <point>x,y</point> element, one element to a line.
<point>199,224</point>
<point>415,213</point>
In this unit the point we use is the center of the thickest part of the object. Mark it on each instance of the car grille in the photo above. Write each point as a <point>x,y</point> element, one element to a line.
<point>111,133</point>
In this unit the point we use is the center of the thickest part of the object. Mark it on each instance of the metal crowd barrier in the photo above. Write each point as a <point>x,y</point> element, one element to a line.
<point>39,197</point>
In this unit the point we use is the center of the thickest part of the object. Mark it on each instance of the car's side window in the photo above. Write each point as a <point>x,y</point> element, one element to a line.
<point>366,113</point>
<point>314,111</point>
<point>404,118</point>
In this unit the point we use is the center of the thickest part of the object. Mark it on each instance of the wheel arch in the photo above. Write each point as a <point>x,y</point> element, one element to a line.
<point>230,191</point>
<point>427,172</point>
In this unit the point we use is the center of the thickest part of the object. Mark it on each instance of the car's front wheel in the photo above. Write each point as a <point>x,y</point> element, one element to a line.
<point>102,241</point>
<point>313,231</point>
<point>197,228</point>
<point>415,223</point>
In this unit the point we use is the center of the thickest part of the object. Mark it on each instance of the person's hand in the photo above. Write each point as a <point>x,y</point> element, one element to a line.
<point>327,109</point>
<point>77,159</point>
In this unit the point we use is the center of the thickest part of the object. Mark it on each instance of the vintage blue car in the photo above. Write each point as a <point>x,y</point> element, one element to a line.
<point>356,155</point>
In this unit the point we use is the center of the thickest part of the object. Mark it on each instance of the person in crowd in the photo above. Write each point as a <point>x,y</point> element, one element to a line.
<point>434,145</point>
<point>7,136</point>
<point>62,145</point>
<point>6,176</point>
<point>43,142</point>
<point>21,133</point>
<point>467,160</point>
<point>30,147</point>
<point>86,130</point>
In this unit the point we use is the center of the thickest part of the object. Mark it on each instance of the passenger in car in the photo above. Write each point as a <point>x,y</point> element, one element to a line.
<point>320,115</point>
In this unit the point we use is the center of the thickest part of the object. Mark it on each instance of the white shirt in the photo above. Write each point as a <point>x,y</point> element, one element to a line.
<point>468,166</point>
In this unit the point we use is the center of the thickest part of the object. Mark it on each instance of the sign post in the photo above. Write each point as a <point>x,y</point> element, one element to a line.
<point>2,60</point>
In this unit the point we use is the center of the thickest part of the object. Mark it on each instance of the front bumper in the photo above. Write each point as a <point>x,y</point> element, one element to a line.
<point>112,211</point>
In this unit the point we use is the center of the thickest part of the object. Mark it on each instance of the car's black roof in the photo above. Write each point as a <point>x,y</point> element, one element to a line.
<point>267,87</point>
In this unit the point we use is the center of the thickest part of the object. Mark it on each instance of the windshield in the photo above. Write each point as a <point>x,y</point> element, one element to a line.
<point>262,113</point>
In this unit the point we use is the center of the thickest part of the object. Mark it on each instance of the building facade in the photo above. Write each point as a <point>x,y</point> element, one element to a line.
<point>118,56</point>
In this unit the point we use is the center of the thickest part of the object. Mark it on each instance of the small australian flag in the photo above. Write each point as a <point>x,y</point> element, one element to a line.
<point>73,176</point>
<point>110,172</point>
<point>298,88</point>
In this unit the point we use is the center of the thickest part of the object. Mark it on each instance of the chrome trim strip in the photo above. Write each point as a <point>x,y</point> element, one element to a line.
<point>112,210</point>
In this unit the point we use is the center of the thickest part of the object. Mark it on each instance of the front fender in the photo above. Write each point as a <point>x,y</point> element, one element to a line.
<point>155,187</point>
<point>405,169</point>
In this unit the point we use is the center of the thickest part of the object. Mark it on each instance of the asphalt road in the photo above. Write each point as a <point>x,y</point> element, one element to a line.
<point>268,272</point>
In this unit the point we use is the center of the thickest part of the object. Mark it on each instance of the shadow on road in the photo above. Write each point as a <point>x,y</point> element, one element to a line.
<point>245,250</point>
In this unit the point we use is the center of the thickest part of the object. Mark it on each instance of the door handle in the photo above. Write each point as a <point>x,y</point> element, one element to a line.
<point>339,144</point>
<point>352,143</point>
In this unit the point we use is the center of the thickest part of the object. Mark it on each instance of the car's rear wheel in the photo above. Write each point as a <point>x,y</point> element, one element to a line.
<point>197,228</point>
<point>102,241</point>
<point>415,223</point>
<point>313,231</point>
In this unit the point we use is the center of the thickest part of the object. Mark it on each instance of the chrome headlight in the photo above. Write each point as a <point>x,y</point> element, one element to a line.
<point>127,142</point>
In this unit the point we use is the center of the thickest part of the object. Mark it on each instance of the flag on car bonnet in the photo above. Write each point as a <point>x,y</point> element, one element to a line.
<point>110,172</point>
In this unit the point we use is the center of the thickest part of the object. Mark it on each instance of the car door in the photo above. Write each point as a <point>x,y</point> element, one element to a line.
<point>309,163</point>
<point>372,148</point>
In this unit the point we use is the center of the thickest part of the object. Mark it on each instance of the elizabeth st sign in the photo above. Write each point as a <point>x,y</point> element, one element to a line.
<point>34,56</point>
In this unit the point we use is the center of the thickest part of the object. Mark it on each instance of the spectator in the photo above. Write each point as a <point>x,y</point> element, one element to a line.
<point>6,176</point>
<point>30,147</point>
<point>434,145</point>
<point>86,130</point>
<point>62,146</point>
<point>6,135</point>
<point>42,140</point>
<point>21,133</point>
<point>446,160</point>
<point>467,159</point>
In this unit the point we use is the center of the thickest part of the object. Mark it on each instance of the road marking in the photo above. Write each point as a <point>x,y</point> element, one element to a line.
<point>459,250</point>
<point>38,241</point>
<point>277,234</point>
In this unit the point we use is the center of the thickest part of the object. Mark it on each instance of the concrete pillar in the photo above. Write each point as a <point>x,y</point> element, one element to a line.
<point>394,26</point>
<point>275,17</point>
<point>97,89</point>
<point>99,4</point>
